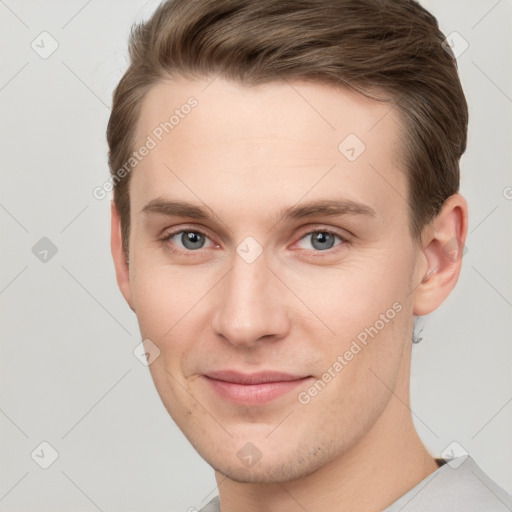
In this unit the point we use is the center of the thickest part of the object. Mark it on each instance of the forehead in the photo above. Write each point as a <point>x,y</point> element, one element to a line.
<point>281,139</point>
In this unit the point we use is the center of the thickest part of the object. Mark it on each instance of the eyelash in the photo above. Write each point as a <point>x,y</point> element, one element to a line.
<point>168,236</point>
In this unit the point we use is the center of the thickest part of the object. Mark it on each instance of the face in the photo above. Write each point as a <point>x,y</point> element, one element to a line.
<point>271,264</point>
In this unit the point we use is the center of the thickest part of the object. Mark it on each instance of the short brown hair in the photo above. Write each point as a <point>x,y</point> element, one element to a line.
<point>393,46</point>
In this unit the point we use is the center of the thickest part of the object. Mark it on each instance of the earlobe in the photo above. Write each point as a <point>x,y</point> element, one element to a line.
<point>443,249</point>
<point>119,257</point>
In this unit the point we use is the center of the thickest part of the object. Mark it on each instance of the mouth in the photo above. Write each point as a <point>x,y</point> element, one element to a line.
<point>253,389</point>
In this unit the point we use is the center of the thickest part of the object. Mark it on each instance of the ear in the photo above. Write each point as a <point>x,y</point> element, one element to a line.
<point>118,254</point>
<point>441,257</point>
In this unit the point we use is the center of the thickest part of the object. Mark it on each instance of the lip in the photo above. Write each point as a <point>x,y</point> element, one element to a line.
<point>255,388</point>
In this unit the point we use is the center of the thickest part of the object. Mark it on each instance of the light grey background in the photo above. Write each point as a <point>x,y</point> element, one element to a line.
<point>68,373</point>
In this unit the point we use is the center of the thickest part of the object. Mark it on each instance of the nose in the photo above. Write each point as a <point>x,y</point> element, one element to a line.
<point>251,304</point>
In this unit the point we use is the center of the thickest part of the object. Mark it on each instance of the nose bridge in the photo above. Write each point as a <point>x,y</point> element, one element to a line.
<point>249,306</point>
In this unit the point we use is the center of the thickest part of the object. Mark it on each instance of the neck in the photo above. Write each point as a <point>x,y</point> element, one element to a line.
<point>386,463</point>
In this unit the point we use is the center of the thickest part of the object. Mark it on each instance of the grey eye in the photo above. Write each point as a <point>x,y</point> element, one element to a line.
<point>322,240</point>
<point>192,240</point>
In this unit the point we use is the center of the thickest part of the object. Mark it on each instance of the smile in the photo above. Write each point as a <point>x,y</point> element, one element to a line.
<point>252,389</point>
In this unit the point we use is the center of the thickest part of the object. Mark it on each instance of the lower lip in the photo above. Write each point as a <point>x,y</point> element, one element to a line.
<point>253,394</point>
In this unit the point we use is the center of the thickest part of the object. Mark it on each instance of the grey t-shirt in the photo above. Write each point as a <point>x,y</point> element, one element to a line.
<point>457,486</point>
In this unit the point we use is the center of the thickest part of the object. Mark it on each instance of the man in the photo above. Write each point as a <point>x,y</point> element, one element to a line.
<point>285,205</point>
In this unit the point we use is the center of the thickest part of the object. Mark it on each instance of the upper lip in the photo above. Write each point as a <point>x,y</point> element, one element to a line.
<point>253,378</point>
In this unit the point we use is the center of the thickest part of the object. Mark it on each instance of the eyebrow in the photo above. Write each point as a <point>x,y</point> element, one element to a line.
<point>319,208</point>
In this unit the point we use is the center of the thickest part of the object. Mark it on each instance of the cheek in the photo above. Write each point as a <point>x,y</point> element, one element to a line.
<point>353,295</point>
<point>158,298</point>
<point>366,306</point>
<point>171,306</point>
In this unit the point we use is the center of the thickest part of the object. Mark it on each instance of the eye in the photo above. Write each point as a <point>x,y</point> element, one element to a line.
<point>322,240</point>
<point>190,240</point>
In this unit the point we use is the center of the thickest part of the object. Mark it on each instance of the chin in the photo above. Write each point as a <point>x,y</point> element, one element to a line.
<point>267,472</point>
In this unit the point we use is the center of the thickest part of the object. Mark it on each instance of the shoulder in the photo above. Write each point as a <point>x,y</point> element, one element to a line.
<point>459,485</point>
<point>212,506</point>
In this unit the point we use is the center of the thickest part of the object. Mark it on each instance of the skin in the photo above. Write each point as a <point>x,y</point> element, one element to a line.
<point>245,154</point>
